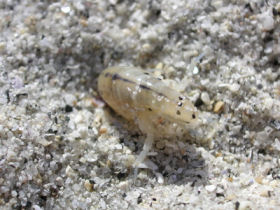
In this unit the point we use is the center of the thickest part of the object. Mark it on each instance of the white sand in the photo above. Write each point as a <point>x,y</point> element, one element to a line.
<point>60,149</point>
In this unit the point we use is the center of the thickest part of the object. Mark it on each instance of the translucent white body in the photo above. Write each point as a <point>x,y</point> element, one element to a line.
<point>136,95</point>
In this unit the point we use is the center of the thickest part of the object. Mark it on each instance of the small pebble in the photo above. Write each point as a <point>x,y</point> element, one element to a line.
<point>245,205</point>
<point>276,144</point>
<point>195,70</point>
<point>160,178</point>
<point>44,142</point>
<point>210,188</point>
<point>259,179</point>
<point>234,87</point>
<point>205,98</point>
<point>65,9</point>
<point>36,207</point>
<point>268,103</point>
<point>159,66</point>
<point>69,171</point>
<point>267,21</point>
<point>230,197</point>
<point>218,106</point>
<point>102,130</point>
<point>124,185</point>
<point>265,193</point>
<point>88,186</point>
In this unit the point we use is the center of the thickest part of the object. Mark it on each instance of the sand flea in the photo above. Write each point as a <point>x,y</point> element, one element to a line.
<point>138,96</point>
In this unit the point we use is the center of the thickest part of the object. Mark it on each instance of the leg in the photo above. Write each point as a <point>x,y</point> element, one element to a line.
<point>145,123</point>
<point>146,148</point>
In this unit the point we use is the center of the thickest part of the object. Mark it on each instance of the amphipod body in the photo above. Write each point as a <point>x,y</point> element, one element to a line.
<point>136,95</point>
